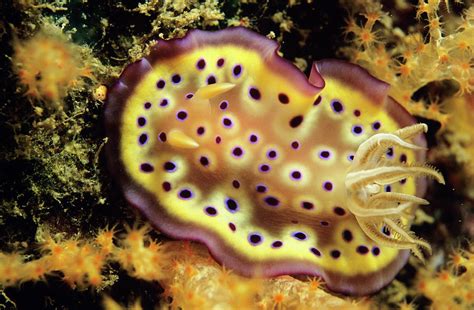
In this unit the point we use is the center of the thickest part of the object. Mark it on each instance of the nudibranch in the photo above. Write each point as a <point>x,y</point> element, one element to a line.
<point>216,138</point>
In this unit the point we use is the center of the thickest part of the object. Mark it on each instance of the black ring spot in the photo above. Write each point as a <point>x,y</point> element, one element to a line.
<point>160,84</point>
<point>315,251</point>
<point>347,235</point>
<point>339,211</point>
<point>254,93</point>
<point>272,201</point>
<point>296,121</point>
<point>141,121</point>
<point>176,78</point>
<point>335,253</point>
<point>204,161</point>
<point>277,244</point>
<point>362,249</point>
<point>283,98</point>
<point>201,64</point>
<point>169,166</point>
<point>146,167</point>
<point>317,101</point>
<point>166,186</point>
<point>185,193</point>
<point>211,211</point>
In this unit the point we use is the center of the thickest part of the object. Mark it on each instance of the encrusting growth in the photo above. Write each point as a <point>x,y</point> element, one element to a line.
<point>48,64</point>
<point>433,51</point>
<point>81,262</point>
<point>383,216</point>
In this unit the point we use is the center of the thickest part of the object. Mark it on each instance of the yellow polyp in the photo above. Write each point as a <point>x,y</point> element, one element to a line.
<point>179,139</point>
<point>213,90</point>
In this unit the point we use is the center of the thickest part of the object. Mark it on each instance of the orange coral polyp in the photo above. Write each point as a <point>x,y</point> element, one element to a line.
<point>48,64</point>
<point>365,37</point>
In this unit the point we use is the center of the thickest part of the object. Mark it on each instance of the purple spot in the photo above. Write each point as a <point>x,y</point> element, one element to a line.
<point>283,98</point>
<point>143,138</point>
<point>227,122</point>
<point>335,253</point>
<point>295,145</point>
<point>388,188</point>
<point>231,205</point>
<point>232,226</point>
<point>147,105</point>
<point>189,95</point>
<point>315,251</point>
<point>169,166</point>
<point>146,167</point>
<point>307,205</point>
<point>261,188</point>
<point>185,194</point>
<point>325,154</point>
<point>237,70</point>
<point>356,113</point>
<point>254,93</point>
<point>204,161</point>
<point>166,186</point>
<point>403,181</point>
<point>324,223</point>
<point>181,115</point>
<point>272,154</point>
<point>201,64</point>
<point>255,238</point>
<point>296,121</point>
<point>362,249</point>
<point>264,168</point>
<point>317,101</point>
<point>277,244</point>
<point>141,121</point>
<point>162,137</point>
<point>295,175</point>
<point>160,84</point>
<point>347,235</point>
<point>224,104</point>
<point>337,106</point>
<point>327,186</point>
<point>211,211</point>
<point>272,201</point>
<point>375,251</point>
<point>299,235</point>
<point>403,158</point>
<point>236,184</point>
<point>218,139</point>
<point>390,152</point>
<point>339,211</point>
<point>164,102</point>
<point>211,79</point>
<point>220,62</point>
<point>357,130</point>
<point>350,157</point>
<point>200,130</point>
<point>176,78</point>
<point>376,125</point>
<point>237,152</point>
<point>253,138</point>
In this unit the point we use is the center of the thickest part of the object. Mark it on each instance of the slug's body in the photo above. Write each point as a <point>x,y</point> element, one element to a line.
<point>216,138</point>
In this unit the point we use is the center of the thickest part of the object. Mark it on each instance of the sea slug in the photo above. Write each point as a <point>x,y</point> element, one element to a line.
<point>216,138</point>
